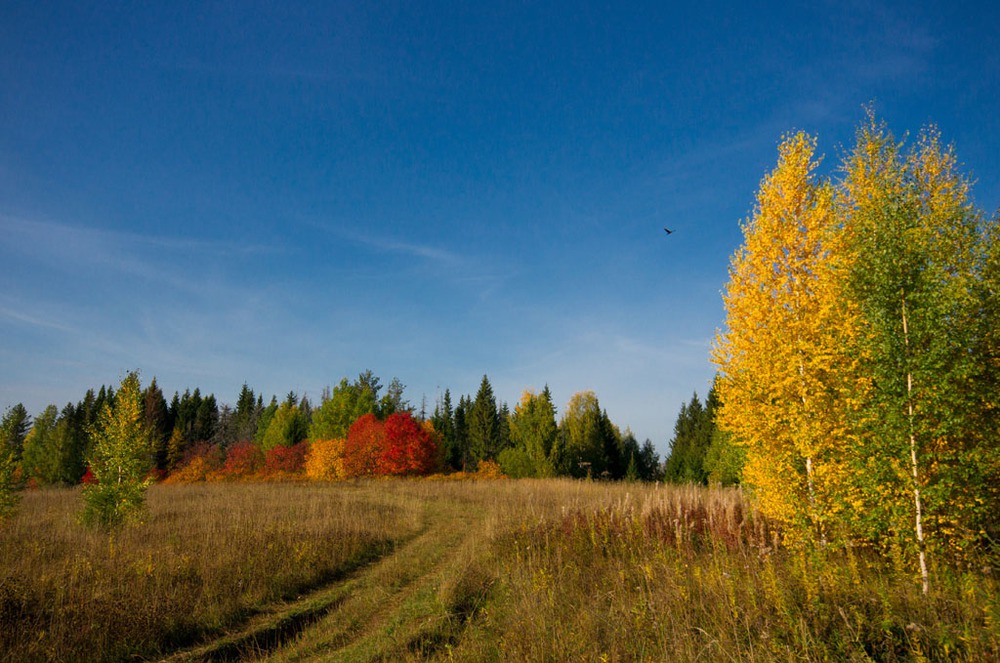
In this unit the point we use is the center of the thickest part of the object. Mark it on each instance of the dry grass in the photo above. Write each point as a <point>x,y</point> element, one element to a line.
<point>620,573</point>
<point>207,557</point>
<point>506,571</point>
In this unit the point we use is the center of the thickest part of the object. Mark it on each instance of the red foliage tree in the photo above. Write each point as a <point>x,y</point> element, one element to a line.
<point>409,447</point>
<point>363,447</point>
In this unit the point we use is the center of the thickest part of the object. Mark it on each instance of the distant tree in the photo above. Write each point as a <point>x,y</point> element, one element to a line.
<point>484,424</point>
<point>226,429</point>
<point>243,460</point>
<point>649,462</point>
<point>409,447</point>
<point>156,418</point>
<point>13,429</point>
<point>176,449</point>
<point>284,462</point>
<point>503,416</point>
<point>533,432</point>
<point>40,459</point>
<point>121,460</point>
<point>248,409</point>
<point>462,449</point>
<point>287,427</point>
<point>8,485</point>
<point>393,400</point>
<point>264,420</point>
<point>582,436</point>
<point>689,446</point>
<point>333,418</point>
<point>724,460</point>
<point>206,418</point>
<point>615,462</point>
<point>443,420</point>
<point>69,447</point>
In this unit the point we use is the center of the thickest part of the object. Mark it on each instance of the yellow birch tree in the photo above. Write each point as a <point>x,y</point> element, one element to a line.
<point>780,357</point>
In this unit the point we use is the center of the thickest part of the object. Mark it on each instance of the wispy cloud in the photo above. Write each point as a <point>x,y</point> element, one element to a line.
<point>34,320</point>
<point>159,259</point>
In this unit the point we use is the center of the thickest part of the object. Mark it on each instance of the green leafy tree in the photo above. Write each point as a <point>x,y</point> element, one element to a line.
<point>724,460</point>
<point>649,462</point>
<point>264,420</point>
<point>911,238</point>
<point>120,461</point>
<point>13,430</point>
<point>40,459</point>
<point>582,437</point>
<point>346,404</point>
<point>69,448</point>
<point>8,484</point>
<point>287,427</point>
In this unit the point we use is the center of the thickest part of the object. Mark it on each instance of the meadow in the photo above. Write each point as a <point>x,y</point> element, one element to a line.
<point>467,570</point>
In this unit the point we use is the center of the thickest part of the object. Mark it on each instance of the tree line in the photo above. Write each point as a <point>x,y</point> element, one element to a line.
<point>357,428</point>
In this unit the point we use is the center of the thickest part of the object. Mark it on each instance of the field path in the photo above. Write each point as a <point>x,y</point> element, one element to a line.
<point>412,603</point>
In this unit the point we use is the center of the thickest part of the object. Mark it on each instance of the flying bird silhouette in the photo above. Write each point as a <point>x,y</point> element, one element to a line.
<point>668,231</point>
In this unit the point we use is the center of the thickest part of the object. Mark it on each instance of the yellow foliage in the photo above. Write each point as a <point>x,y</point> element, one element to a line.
<point>325,461</point>
<point>780,358</point>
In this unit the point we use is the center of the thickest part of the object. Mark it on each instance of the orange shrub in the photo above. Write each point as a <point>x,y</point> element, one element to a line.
<point>325,460</point>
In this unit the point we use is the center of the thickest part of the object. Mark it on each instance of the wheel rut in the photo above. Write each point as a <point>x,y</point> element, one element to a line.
<point>410,603</point>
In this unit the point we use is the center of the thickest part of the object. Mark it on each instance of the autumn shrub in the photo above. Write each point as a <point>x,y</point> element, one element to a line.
<point>200,462</point>
<point>243,460</point>
<point>325,460</point>
<point>285,462</point>
<point>409,448</point>
<point>363,448</point>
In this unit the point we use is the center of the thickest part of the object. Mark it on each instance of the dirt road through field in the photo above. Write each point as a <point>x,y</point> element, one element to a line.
<point>412,603</point>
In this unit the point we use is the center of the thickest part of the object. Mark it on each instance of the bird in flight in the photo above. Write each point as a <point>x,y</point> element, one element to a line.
<point>668,231</point>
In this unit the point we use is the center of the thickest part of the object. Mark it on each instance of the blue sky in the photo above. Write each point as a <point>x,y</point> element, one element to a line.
<point>220,193</point>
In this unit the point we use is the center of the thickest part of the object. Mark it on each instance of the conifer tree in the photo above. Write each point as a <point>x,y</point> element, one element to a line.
<point>13,429</point>
<point>533,430</point>
<point>484,424</point>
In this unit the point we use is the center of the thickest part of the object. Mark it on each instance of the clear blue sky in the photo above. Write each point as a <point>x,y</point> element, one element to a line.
<point>219,193</point>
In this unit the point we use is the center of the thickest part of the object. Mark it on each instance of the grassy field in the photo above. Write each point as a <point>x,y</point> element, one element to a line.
<point>472,570</point>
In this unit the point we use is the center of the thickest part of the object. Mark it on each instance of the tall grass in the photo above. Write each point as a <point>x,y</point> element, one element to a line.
<point>673,573</point>
<point>498,570</point>
<point>207,557</point>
